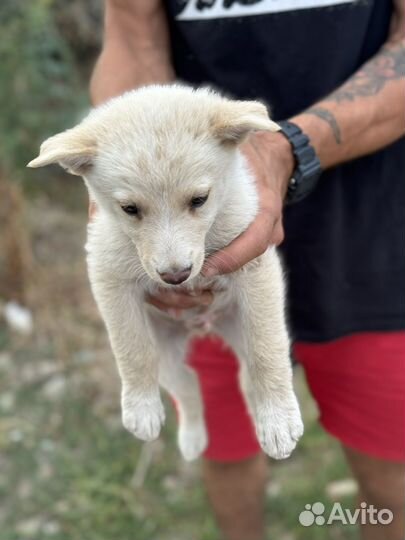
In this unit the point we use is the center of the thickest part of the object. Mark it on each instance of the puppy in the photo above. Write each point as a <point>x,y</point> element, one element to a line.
<point>171,186</point>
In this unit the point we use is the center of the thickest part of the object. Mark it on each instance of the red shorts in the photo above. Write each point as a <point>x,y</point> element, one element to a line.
<point>358,383</point>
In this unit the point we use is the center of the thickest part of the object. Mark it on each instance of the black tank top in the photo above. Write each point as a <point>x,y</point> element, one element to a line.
<point>344,249</point>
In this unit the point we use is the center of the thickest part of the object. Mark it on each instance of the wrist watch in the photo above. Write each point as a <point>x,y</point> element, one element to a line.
<point>307,165</point>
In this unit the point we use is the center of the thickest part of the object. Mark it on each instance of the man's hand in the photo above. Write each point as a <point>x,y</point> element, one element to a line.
<point>174,302</point>
<point>271,161</point>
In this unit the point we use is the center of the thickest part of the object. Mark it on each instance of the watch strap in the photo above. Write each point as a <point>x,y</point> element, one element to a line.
<point>308,167</point>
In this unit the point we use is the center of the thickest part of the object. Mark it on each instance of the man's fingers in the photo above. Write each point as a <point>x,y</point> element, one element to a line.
<point>249,245</point>
<point>92,210</point>
<point>172,300</point>
<point>277,236</point>
<point>153,301</point>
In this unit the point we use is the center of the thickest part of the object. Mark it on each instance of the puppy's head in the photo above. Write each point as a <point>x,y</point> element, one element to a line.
<point>160,161</point>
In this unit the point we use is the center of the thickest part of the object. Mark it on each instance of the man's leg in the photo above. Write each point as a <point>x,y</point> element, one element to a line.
<point>234,468</point>
<point>359,385</point>
<point>381,484</point>
<point>236,493</point>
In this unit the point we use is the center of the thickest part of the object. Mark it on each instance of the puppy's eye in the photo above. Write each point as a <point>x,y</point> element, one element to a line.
<point>196,202</point>
<point>131,209</point>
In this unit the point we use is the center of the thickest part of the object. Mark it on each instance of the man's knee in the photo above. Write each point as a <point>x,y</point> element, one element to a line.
<point>236,492</point>
<point>381,483</point>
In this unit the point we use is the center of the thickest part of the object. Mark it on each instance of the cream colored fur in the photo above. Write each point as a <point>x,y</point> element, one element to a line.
<point>158,147</point>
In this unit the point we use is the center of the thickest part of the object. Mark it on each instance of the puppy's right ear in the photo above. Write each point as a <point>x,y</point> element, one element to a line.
<point>234,120</point>
<point>73,149</point>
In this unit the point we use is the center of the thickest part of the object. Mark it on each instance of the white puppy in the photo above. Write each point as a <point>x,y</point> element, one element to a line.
<point>163,165</point>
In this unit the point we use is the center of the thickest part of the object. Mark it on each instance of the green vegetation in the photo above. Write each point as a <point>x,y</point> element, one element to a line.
<point>40,92</point>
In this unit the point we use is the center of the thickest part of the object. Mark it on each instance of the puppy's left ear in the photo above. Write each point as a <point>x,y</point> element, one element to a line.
<point>73,149</point>
<point>234,120</point>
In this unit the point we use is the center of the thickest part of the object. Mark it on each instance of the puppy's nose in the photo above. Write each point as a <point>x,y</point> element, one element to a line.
<point>175,276</point>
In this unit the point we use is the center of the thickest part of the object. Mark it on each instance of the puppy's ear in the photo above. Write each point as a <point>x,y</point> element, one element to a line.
<point>234,120</point>
<point>73,149</point>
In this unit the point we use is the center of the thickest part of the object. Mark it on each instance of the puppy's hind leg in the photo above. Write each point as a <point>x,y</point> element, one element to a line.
<point>231,331</point>
<point>182,384</point>
<point>258,334</point>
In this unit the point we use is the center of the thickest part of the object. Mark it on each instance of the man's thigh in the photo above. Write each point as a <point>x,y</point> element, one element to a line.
<point>358,382</point>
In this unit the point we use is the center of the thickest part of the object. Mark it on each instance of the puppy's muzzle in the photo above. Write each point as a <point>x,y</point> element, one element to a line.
<point>174,276</point>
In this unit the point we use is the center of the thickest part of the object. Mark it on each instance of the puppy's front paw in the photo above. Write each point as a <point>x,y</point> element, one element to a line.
<point>143,417</point>
<point>278,427</point>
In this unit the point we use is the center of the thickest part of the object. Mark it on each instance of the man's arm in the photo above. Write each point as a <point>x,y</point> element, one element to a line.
<point>365,114</point>
<point>136,49</point>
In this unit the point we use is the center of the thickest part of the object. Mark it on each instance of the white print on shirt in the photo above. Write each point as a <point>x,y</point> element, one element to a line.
<point>217,9</point>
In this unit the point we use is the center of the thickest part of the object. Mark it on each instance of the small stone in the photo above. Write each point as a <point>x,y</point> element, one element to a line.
<point>7,401</point>
<point>16,435</point>
<point>273,490</point>
<point>19,318</point>
<point>29,527</point>
<point>341,488</point>
<point>51,528</point>
<point>47,445</point>
<point>54,387</point>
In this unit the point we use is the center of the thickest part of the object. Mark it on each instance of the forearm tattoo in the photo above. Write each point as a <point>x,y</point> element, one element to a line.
<point>388,65</point>
<point>326,115</point>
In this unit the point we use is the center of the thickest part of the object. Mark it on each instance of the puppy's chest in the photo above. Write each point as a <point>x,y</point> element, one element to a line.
<point>203,320</point>
<point>203,323</point>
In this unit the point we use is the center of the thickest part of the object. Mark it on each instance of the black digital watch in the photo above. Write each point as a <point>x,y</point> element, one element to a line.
<point>308,167</point>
